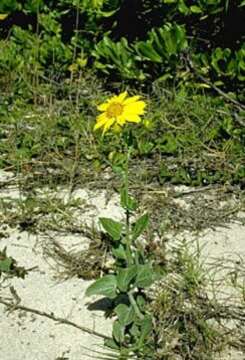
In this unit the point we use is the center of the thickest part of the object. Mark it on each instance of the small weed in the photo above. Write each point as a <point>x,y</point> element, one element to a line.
<point>36,213</point>
<point>180,307</point>
<point>9,267</point>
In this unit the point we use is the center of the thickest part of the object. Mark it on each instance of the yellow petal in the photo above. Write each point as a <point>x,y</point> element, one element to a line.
<point>113,99</point>
<point>101,120</point>
<point>102,107</point>
<point>101,117</point>
<point>131,100</point>
<point>133,118</point>
<point>126,114</point>
<point>122,96</point>
<point>121,120</point>
<point>108,124</point>
<point>136,108</point>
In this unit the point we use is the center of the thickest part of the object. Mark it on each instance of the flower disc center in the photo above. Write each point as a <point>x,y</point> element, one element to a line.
<point>114,110</point>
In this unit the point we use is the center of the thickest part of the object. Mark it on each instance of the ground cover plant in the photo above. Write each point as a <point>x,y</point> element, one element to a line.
<point>188,138</point>
<point>62,63</point>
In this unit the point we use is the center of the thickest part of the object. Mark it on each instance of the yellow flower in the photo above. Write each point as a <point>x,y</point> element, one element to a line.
<point>118,110</point>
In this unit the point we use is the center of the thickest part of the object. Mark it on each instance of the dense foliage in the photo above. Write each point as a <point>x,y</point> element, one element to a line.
<point>132,40</point>
<point>48,48</point>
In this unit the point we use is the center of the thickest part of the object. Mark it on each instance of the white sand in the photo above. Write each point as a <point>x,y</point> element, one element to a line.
<point>26,336</point>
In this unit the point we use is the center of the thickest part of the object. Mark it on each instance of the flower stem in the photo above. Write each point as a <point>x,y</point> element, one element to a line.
<point>135,306</point>
<point>128,242</point>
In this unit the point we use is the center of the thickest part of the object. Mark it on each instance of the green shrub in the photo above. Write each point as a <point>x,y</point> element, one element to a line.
<point>132,41</point>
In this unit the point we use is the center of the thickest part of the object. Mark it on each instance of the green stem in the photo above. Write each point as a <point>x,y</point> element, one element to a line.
<point>135,306</point>
<point>128,242</point>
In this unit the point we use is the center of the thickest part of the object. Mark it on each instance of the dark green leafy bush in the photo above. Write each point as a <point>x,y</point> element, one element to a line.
<point>132,40</point>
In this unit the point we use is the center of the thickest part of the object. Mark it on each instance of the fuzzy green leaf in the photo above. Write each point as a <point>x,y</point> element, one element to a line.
<point>140,225</point>
<point>140,300</point>
<point>125,314</point>
<point>125,276</point>
<point>106,286</point>
<point>111,344</point>
<point>118,332</point>
<point>146,327</point>
<point>119,252</point>
<point>112,227</point>
<point>145,276</point>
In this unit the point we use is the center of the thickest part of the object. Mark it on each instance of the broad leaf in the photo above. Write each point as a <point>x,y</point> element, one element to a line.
<point>112,227</point>
<point>125,314</point>
<point>118,332</point>
<point>140,225</point>
<point>140,300</point>
<point>119,252</point>
<point>145,276</point>
<point>110,343</point>
<point>196,9</point>
<point>125,276</point>
<point>135,330</point>
<point>105,286</point>
<point>146,327</point>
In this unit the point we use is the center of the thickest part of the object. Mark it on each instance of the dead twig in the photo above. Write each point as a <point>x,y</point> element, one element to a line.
<point>13,307</point>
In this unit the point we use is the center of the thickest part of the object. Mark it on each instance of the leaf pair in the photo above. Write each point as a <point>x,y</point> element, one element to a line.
<point>114,228</point>
<point>140,276</point>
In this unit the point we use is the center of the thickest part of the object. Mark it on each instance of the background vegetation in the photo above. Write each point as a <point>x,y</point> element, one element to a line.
<point>128,40</point>
<point>181,53</point>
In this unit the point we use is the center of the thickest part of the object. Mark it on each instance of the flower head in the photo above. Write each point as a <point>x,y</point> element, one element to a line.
<point>118,110</point>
